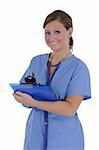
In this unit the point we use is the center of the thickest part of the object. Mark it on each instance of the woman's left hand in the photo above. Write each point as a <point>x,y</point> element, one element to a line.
<point>23,98</point>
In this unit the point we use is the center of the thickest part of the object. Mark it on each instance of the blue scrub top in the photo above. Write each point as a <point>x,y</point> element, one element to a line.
<point>71,78</point>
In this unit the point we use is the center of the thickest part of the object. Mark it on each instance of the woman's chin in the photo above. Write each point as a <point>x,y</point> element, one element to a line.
<point>55,49</point>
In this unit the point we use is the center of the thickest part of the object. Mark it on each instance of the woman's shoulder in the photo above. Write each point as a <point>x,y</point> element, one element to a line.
<point>80,64</point>
<point>40,56</point>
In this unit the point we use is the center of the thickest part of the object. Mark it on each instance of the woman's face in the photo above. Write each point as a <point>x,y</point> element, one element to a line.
<point>56,35</point>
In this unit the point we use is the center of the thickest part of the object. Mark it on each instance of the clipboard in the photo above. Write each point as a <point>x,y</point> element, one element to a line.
<point>39,92</point>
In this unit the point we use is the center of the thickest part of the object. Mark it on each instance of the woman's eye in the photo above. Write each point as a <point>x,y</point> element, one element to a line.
<point>57,32</point>
<point>47,33</point>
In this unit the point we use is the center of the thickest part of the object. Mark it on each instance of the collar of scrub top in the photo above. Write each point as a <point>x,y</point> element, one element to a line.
<point>49,62</point>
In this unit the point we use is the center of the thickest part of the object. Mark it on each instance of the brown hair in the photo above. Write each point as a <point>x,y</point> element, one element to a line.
<point>62,17</point>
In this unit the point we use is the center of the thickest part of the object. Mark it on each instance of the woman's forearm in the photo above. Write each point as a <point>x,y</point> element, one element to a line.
<point>67,107</point>
<point>58,107</point>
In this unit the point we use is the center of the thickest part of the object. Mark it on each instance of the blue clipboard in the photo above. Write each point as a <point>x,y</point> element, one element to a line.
<point>39,92</point>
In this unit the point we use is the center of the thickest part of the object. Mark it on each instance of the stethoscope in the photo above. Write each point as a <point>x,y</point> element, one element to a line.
<point>30,80</point>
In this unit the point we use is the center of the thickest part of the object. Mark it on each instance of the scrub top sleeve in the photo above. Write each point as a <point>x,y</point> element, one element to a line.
<point>80,82</point>
<point>28,72</point>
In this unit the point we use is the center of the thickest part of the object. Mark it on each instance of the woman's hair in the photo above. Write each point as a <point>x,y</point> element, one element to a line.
<point>62,17</point>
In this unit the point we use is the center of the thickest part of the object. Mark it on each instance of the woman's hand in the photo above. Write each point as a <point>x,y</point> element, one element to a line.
<point>23,98</point>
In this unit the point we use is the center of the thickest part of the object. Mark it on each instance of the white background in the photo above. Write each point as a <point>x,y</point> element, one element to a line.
<point>21,38</point>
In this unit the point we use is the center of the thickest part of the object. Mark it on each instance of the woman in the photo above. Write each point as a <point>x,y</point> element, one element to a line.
<point>55,125</point>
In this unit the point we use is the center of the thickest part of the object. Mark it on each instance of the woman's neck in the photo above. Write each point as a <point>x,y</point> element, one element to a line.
<point>56,57</point>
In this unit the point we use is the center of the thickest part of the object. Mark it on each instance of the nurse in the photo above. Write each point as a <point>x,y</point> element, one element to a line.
<point>55,125</point>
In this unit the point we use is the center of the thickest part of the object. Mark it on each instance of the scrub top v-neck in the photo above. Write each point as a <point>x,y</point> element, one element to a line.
<point>71,78</point>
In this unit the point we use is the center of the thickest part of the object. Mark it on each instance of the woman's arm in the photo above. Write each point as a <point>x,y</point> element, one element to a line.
<point>67,107</point>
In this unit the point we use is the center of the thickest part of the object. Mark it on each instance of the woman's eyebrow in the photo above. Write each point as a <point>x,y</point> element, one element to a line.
<point>53,29</point>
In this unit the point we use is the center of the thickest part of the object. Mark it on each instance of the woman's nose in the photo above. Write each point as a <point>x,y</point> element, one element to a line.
<point>52,36</point>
